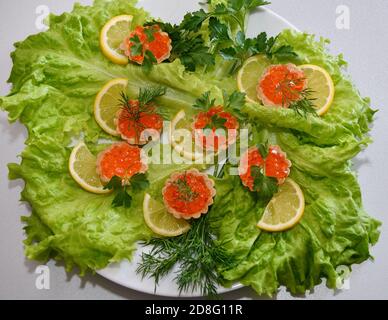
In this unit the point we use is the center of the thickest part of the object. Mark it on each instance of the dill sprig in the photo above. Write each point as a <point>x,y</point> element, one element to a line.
<point>197,255</point>
<point>145,105</point>
<point>305,105</point>
<point>186,193</point>
<point>149,94</point>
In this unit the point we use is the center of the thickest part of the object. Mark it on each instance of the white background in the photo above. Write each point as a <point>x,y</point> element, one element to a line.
<point>364,45</point>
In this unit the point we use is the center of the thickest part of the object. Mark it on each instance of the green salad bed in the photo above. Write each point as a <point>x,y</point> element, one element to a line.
<point>55,78</point>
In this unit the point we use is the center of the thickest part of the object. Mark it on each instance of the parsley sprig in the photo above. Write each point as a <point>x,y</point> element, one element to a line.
<point>137,49</point>
<point>125,189</point>
<point>243,48</point>
<point>233,102</point>
<point>187,45</point>
<point>265,186</point>
<point>236,10</point>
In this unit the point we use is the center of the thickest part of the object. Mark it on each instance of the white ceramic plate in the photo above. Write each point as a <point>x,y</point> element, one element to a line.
<point>124,273</point>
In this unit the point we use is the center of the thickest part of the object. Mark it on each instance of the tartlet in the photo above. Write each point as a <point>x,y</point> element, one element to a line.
<point>188,195</point>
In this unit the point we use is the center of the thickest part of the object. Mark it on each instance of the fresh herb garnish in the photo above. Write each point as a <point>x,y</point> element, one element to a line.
<point>186,193</point>
<point>145,97</point>
<point>149,61</point>
<point>196,253</point>
<point>237,10</point>
<point>150,33</point>
<point>149,94</point>
<point>187,45</point>
<point>137,49</point>
<point>204,102</point>
<point>216,122</point>
<point>264,185</point>
<point>299,101</point>
<point>263,149</point>
<point>234,103</point>
<point>244,48</point>
<point>145,105</point>
<point>122,188</point>
<point>137,46</point>
<point>305,105</point>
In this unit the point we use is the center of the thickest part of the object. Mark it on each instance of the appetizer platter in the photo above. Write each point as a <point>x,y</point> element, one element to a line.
<point>192,157</point>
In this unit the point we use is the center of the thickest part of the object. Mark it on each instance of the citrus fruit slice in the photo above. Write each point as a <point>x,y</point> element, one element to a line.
<point>160,221</point>
<point>188,194</point>
<point>137,125</point>
<point>182,140</point>
<point>82,167</point>
<point>121,160</point>
<point>249,75</point>
<point>285,209</point>
<point>281,85</point>
<point>106,105</point>
<point>112,36</point>
<point>322,86</point>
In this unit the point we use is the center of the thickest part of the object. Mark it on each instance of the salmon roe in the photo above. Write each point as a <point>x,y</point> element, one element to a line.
<point>281,85</point>
<point>160,45</point>
<point>188,194</point>
<point>276,165</point>
<point>137,126</point>
<point>121,160</point>
<point>215,139</point>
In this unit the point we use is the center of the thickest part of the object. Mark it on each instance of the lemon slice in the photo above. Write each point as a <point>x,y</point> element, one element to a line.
<point>181,138</point>
<point>82,166</point>
<point>112,35</point>
<point>249,75</point>
<point>160,221</point>
<point>107,105</point>
<point>285,209</point>
<point>322,86</point>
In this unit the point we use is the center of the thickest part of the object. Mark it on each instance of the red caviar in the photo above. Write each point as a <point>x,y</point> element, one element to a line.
<point>136,125</point>
<point>121,160</point>
<point>276,165</point>
<point>281,85</point>
<point>160,45</point>
<point>188,194</point>
<point>215,139</point>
